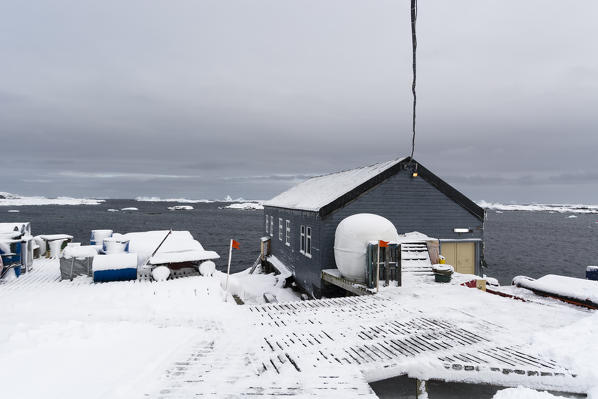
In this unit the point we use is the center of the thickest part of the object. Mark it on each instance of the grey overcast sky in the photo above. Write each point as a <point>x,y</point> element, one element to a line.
<point>204,98</point>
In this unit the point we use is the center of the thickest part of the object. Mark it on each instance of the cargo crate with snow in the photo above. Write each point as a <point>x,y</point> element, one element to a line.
<point>55,244</point>
<point>115,267</point>
<point>302,221</point>
<point>77,261</point>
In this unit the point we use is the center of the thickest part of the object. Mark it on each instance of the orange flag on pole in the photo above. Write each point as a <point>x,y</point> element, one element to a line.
<point>233,244</point>
<point>383,244</point>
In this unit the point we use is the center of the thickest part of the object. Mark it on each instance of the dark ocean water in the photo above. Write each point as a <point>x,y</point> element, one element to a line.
<point>517,243</point>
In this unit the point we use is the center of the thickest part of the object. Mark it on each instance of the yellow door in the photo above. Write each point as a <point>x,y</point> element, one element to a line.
<point>465,257</point>
<point>460,255</point>
<point>449,251</point>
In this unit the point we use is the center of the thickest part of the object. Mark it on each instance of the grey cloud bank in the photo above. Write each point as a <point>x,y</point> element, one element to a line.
<point>201,99</point>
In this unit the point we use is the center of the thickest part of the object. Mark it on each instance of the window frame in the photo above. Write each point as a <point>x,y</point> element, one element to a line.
<point>308,239</point>
<point>267,224</point>
<point>271,226</point>
<point>287,239</point>
<point>302,239</point>
<point>279,229</point>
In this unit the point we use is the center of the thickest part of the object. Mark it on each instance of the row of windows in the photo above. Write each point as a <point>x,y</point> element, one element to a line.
<point>285,230</point>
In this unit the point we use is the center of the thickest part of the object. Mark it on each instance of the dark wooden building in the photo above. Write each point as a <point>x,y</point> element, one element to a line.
<point>302,220</point>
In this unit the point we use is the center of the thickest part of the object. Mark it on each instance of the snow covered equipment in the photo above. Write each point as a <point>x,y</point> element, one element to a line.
<point>161,273</point>
<point>158,247</point>
<point>77,261</point>
<point>175,249</point>
<point>351,240</point>
<point>115,245</point>
<point>442,272</point>
<point>115,267</point>
<point>592,273</point>
<point>55,243</point>
<point>207,268</point>
<point>572,290</point>
<point>16,245</point>
<point>97,236</point>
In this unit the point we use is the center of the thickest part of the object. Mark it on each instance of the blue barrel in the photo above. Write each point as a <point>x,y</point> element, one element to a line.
<point>592,273</point>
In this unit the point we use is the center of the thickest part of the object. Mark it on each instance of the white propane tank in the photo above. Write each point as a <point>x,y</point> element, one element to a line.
<point>353,234</point>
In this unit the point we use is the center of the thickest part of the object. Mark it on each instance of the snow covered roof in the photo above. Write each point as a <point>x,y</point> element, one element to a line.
<point>324,194</point>
<point>317,192</point>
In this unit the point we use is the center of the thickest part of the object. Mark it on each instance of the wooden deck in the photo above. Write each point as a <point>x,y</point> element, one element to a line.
<point>383,340</point>
<point>335,347</point>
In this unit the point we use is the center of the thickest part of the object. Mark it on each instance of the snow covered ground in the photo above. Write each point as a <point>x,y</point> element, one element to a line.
<point>8,199</point>
<point>78,339</point>
<point>180,338</point>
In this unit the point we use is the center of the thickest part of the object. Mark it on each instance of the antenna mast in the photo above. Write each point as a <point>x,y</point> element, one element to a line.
<point>414,48</point>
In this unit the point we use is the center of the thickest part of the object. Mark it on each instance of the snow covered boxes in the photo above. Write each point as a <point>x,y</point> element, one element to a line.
<point>115,267</point>
<point>76,261</point>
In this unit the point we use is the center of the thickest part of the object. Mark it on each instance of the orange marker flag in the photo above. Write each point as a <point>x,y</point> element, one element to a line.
<point>383,244</point>
<point>233,244</point>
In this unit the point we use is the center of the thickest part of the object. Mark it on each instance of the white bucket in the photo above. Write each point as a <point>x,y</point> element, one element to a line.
<point>97,236</point>
<point>55,248</point>
<point>114,245</point>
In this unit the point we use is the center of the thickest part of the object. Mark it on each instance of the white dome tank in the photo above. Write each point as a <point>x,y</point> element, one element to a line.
<point>353,234</point>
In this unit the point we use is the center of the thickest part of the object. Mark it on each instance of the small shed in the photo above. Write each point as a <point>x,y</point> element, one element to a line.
<point>302,220</point>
